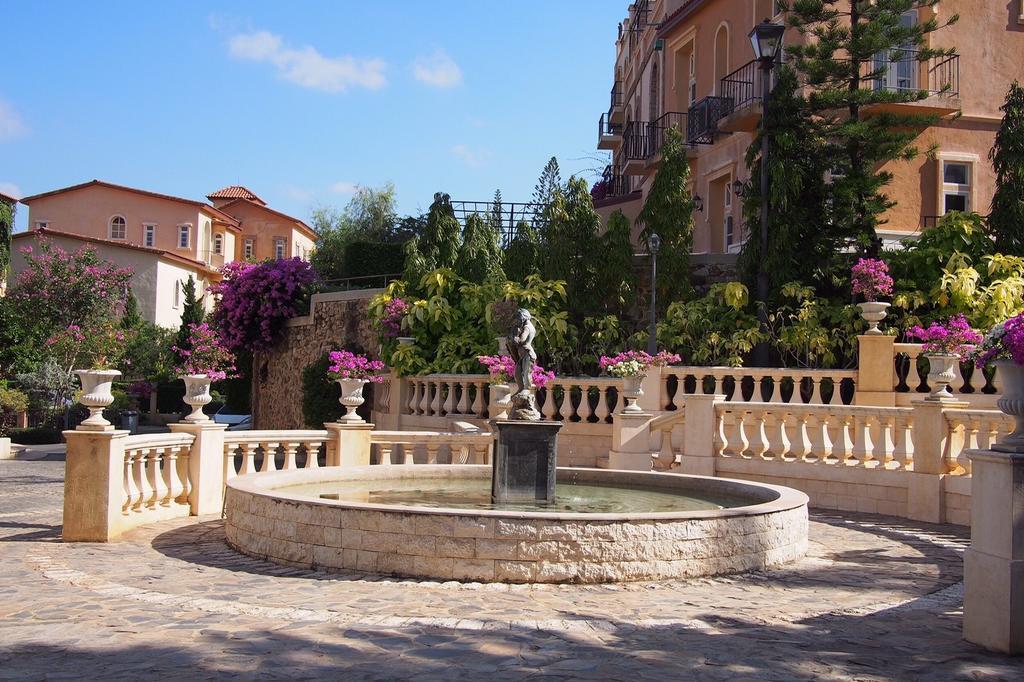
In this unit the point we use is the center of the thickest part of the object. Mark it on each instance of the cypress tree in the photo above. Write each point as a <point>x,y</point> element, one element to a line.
<point>615,287</point>
<point>131,317</point>
<point>570,244</point>
<point>192,312</point>
<point>6,230</point>
<point>442,235</point>
<point>479,256</point>
<point>1006,222</point>
<point>522,256</point>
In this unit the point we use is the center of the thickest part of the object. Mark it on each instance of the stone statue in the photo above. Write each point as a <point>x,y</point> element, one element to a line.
<point>520,348</point>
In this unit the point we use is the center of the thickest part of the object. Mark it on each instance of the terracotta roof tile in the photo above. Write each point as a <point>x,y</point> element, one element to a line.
<point>236,192</point>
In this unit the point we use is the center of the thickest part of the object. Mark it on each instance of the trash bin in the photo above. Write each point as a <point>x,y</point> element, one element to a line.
<point>130,421</point>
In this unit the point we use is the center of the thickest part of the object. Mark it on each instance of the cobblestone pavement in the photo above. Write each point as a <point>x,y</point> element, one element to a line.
<point>876,598</point>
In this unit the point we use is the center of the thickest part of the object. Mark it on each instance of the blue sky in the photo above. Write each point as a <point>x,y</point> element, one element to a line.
<point>301,101</point>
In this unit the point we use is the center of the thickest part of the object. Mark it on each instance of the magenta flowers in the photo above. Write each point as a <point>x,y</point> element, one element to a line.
<point>955,336</point>
<point>1004,342</point>
<point>632,363</point>
<point>208,356</point>
<point>347,365</point>
<point>502,367</point>
<point>870,279</point>
<point>391,320</point>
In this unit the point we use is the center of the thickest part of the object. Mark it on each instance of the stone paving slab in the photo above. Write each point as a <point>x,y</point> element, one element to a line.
<point>876,598</point>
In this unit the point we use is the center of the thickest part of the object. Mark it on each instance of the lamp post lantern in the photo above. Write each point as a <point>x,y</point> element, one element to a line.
<point>654,244</point>
<point>766,39</point>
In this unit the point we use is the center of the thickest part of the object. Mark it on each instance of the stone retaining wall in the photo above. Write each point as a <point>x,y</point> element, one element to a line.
<point>336,320</point>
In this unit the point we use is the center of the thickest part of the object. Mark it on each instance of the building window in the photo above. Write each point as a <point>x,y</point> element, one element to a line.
<point>654,108</point>
<point>218,243</point>
<point>249,249</point>
<point>721,56</point>
<point>956,186</point>
<point>279,249</point>
<point>176,302</point>
<point>184,236</point>
<point>118,227</point>
<point>693,78</point>
<point>149,235</point>
<point>42,224</point>
<point>765,9</point>
<point>730,233</point>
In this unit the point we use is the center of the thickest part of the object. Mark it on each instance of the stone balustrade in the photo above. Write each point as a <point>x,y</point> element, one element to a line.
<point>971,385</point>
<point>462,448</point>
<point>580,399</point>
<point>246,452</point>
<point>972,430</point>
<point>441,395</point>
<point>156,474</point>
<point>744,384</point>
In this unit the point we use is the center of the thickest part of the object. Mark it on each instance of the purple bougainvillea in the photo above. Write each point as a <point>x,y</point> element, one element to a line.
<point>955,336</point>
<point>870,278</point>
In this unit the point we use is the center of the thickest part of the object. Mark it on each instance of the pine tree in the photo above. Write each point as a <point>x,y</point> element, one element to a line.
<point>1006,222</point>
<point>521,258</point>
<point>668,212</point>
<point>839,59</point>
<point>192,312</point>
<point>479,256</point>
<point>548,186</point>
<point>442,235</point>
<point>615,286</point>
<point>570,246</point>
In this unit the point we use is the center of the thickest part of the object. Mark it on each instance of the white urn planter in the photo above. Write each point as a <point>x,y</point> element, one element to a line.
<point>941,373</point>
<point>873,312</point>
<point>96,395</point>
<point>197,396</point>
<point>351,398</point>
<point>501,398</point>
<point>502,343</point>
<point>405,340</point>
<point>632,389</point>
<point>1011,402</point>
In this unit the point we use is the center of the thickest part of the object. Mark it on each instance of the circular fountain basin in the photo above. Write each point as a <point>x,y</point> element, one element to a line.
<point>436,522</point>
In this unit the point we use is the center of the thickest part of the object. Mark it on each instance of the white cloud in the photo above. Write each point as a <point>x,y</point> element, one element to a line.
<point>344,187</point>
<point>438,70</point>
<point>306,66</point>
<point>297,193</point>
<point>474,158</point>
<point>11,190</point>
<point>11,125</point>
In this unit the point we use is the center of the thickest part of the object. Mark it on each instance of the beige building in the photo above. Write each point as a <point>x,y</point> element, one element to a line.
<point>266,233</point>
<point>690,63</point>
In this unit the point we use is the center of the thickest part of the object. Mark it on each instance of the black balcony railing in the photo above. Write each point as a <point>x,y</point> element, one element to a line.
<point>636,139</point>
<point>616,96</point>
<point>743,86</point>
<point>703,117</point>
<point>606,127</point>
<point>904,70</point>
<point>656,130</point>
<point>613,183</point>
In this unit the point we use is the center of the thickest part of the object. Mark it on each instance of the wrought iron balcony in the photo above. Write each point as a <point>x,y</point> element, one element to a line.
<point>656,131</point>
<point>636,140</point>
<point>614,183</point>
<point>904,70</point>
<point>743,85</point>
<point>703,117</point>
<point>609,134</point>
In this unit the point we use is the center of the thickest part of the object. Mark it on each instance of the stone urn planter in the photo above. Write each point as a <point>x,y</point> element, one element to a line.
<point>873,312</point>
<point>502,344</point>
<point>351,398</point>
<point>631,392</point>
<point>197,396</point>
<point>405,340</point>
<point>501,399</point>
<point>96,395</point>
<point>941,373</point>
<point>1011,402</point>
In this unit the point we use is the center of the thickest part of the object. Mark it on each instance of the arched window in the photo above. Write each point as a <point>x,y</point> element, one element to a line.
<point>654,109</point>
<point>721,56</point>
<point>118,227</point>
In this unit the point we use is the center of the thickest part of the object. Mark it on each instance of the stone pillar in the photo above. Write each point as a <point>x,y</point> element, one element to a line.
<point>6,452</point>
<point>926,483</point>
<point>350,444</point>
<point>206,465</point>
<point>631,442</point>
<point>876,371</point>
<point>650,399</point>
<point>698,456</point>
<point>994,563</point>
<point>93,485</point>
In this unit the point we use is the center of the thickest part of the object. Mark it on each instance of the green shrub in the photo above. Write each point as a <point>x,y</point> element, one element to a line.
<point>319,395</point>
<point>35,436</point>
<point>12,403</point>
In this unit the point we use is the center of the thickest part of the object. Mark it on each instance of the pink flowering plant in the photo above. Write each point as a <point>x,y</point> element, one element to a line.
<point>871,279</point>
<point>97,346</point>
<point>347,365</point>
<point>501,368</point>
<point>635,363</point>
<point>1004,342</point>
<point>955,336</point>
<point>390,323</point>
<point>206,354</point>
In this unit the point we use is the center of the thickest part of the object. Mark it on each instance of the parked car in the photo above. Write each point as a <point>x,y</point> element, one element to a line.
<point>235,422</point>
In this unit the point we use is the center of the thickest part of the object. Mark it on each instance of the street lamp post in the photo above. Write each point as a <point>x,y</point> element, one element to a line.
<point>766,39</point>
<point>652,333</point>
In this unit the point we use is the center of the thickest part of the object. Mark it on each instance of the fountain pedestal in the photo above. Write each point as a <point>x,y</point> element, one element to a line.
<point>523,466</point>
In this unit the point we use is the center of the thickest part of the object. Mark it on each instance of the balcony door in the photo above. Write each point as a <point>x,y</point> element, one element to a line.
<point>900,65</point>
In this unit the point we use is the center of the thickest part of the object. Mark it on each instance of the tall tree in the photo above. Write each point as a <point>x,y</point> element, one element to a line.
<point>615,285</point>
<point>192,312</point>
<point>6,229</point>
<point>479,256</point>
<point>522,258</point>
<point>132,318</point>
<point>548,186</point>
<point>668,212</point>
<point>442,234</point>
<point>570,241</point>
<point>849,56</point>
<point>496,216</point>
<point>1006,222</point>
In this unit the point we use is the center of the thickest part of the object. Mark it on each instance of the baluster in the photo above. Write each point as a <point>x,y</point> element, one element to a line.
<point>435,402</point>
<point>773,387</point>
<point>480,451</point>
<point>478,399</point>
<point>721,433</point>
<point>757,439</point>
<point>449,399</point>
<point>186,482</point>
<point>956,386</point>
<point>739,433</point>
<point>291,448</point>
<point>269,457</point>
<point>885,448</point>
<point>248,458</point>
<point>414,396</point>
<point>666,455</point>
<point>842,446</point>
<point>432,447</point>
<point>170,471</point>
<point>904,444</point>
<point>565,410</point>
<point>383,453</point>
<point>156,479</point>
<point>601,410</point>
<point>548,410</point>
<point>313,458</point>
<point>972,434</point>
<point>463,404</point>
<point>816,390</point>
<point>229,461</point>
<point>862,446</point>
<point>131,490</point>
<point>801,447</point>
<point>988,432</point>
<point>424,404</point>
<point>718,384</point>
<point>141,482</point>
